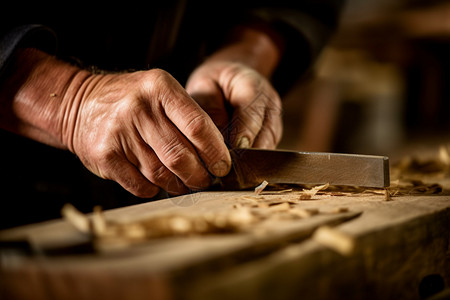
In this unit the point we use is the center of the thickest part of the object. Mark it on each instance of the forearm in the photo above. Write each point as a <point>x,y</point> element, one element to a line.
<point>35,94</point>
<point>254,47</point>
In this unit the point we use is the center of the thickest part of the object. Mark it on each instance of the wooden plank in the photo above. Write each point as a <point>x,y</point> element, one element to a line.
<point>398,243</point>
<point>257,264</point>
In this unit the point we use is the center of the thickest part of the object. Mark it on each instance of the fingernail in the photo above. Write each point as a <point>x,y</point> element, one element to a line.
<point>220,168</point>
<point>243,142</point>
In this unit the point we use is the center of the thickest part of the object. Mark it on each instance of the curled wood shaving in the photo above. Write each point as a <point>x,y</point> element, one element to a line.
<point>261,187</point>
<point>277,192</point>
<point>308,194</point>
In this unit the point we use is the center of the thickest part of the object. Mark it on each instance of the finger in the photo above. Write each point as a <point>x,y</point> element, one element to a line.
<point>271,132</point>
<point>177,155</point>
<point>259,122</point>
<point>155,171</point>
<point>209,96</point>
<point>248,119</point>
<point>172,149</point>
<point>131,179</point>
<point>200,130</point>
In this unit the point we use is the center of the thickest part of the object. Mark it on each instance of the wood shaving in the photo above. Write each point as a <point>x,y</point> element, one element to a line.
<point>277,192</point>
<point>245,212</point>
<point>109,234</point>
<point>334,239</point>
<point>308,194</point>
<point>76,218</point>
<point>280,207</point>
<point>410,177</point>
<point>261,187</point>
<point>387,195</point>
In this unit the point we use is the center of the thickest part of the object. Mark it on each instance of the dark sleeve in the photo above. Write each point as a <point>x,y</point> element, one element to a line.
<point>36,36</point>
<point>306,27</point>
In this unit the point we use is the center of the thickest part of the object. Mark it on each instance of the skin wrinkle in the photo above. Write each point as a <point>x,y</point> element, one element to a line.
<point>227,79</point>
<point>109,160</point>
<point>166,146</point>
<point>209,95</point>
<point>154,175</point>
<point>23,104</point>
<point>223,123</point>
<point>188,122</point>
<point>139,184</point>
<point>172,154</point>
<point>72,113</point>
<point>266,129</point>
<point>275,137</point>
<point>196,129</point>
<point>249,50</point>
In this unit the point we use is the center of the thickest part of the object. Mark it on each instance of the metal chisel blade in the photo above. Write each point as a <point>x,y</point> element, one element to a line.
<point>253,166</point>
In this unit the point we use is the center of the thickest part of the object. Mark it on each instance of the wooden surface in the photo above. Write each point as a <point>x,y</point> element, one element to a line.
<point>397,244</point>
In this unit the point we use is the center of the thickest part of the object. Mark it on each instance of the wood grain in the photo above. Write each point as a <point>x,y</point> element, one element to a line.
<point>397,243</point>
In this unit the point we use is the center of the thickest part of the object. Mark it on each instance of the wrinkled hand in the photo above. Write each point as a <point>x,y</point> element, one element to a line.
<point>145,132</point>
<point>255,119</point>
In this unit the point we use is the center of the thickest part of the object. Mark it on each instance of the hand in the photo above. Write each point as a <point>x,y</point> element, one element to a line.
<point>140,129</point>
<point>256,107</point>
<point>235,78</point>
<point>144,131</point>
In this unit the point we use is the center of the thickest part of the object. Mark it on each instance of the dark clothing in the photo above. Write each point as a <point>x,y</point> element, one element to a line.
<point>172,35</point>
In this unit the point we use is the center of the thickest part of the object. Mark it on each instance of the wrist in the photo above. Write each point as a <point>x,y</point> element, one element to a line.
<point>38,96</point>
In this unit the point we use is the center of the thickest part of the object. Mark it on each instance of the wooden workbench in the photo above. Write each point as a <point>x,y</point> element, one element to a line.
<point>400,250</point>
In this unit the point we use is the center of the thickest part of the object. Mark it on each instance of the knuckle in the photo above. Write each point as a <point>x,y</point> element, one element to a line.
<point>160,176</point>
<point>176,156</point>
<point>158,73</point>
<point>155,75</point>
<point>104,156</point>
<point>198,126</point>
<point>153,79</point>
<point>138,187</point>
<point>146,191</point>
<point>160,78</point>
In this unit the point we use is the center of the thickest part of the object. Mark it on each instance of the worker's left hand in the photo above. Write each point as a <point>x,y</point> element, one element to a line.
<point>242,103</point>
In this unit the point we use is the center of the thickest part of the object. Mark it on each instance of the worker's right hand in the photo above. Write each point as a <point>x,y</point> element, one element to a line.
<point>139,129</point>
<point>144,131</point>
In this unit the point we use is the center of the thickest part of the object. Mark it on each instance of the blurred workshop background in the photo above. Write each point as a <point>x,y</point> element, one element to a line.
<point>383,82</point>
